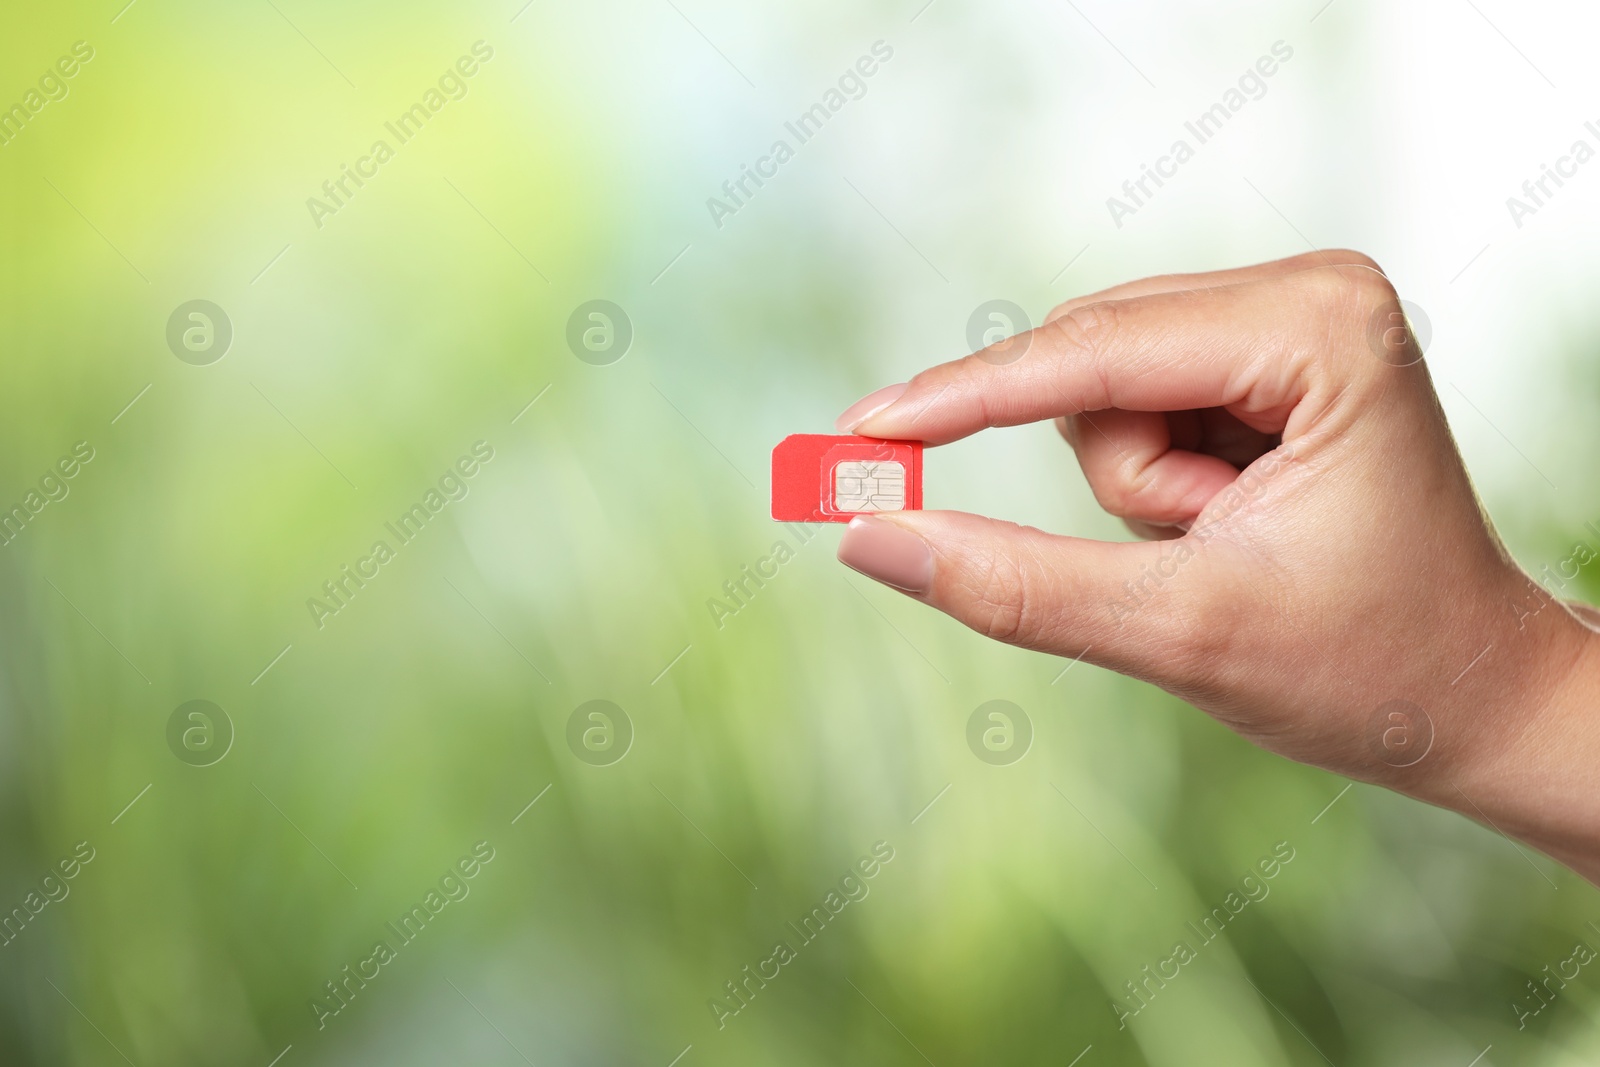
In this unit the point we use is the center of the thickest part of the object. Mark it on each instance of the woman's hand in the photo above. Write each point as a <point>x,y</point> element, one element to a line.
<point>1319,577</point>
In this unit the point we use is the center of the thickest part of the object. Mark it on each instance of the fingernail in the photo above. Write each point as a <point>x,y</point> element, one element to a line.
<point>887,553</point>
<point>868,406</point>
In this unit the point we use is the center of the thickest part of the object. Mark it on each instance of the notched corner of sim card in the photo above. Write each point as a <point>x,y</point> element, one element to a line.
<point>793,460</point>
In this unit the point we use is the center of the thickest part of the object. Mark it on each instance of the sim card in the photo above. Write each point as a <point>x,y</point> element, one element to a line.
<point>825,478</point>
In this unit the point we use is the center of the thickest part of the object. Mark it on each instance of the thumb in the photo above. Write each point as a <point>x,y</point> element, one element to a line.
<point>1020,585</point>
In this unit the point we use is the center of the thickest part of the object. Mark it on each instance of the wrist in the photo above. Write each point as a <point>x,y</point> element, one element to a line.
<point>1526,765</point>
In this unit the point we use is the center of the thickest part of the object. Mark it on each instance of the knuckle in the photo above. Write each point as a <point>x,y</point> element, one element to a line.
<point>1350,291</point>
<point>1088,326</point>
<point>1121,490</point>
<point>1121,482</point>
<point>1083,335</point>
<point>1344,303</point>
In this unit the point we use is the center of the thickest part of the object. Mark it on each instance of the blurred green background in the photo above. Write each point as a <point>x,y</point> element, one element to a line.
<point>362,759</point>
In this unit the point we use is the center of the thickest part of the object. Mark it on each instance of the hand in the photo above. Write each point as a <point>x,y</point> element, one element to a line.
<point>1319,577</point>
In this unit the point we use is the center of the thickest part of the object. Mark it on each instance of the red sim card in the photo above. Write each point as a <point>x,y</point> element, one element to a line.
<point>820,477</point>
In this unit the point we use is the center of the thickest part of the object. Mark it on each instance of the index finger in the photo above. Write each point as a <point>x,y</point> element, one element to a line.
<point>1246,347</point>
